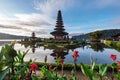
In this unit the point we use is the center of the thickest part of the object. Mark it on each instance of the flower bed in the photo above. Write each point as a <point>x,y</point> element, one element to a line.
<point>13,67</point>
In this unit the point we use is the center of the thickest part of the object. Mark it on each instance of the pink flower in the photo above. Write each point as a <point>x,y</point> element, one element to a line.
<point>33,67</point>
<point>50,67</point>
<point>113,57</point>
<point>75,55</point>
<point>61,61</point>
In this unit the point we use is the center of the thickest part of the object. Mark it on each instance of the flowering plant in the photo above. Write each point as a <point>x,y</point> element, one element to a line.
<point>75,55</point>
<point>113,57</point>
<point>50,67</point>
<point>61,61</point>
<point>33,67</point>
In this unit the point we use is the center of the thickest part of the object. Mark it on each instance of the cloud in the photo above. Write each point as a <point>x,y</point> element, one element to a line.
<point>49,7</point>
<point>35,18</point>
<point>41,22</point>
<point>25,24</point>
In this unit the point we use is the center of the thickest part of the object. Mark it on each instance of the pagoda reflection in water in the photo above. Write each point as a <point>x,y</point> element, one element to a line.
<point>59,52</point>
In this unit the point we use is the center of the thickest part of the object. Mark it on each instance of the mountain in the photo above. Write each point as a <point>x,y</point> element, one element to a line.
<point>106,34</point>
<point>8,36</point>
<point>75,34</point>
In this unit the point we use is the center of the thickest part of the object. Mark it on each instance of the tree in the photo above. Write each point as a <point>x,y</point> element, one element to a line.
<point>96,35</point>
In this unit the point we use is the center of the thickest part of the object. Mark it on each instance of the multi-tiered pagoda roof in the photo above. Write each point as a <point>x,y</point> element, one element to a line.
<point>59,31</point>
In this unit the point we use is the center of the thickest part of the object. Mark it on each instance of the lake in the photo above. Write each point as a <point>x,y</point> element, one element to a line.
<point>97,51</point>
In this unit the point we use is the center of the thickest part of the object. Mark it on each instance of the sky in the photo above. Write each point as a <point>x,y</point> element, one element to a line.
<point>22,17</point>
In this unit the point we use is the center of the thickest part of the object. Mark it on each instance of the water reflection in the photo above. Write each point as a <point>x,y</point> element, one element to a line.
<point>4,42</point>
<point>98,47</point>
<point>84,51</point>
<point>32,46</point>
<point>65,53</point>
<point>60,52</point>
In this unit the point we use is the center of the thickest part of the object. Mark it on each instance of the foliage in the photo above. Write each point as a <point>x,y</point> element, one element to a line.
<point>117,76</point>
<point>20,56</point>
<point>97,46</point>
<point>4,72</point>
<point>7,56</point>
<point>108,43</point>
<point>48,75</point>
<point>12,63</point>
<point>91,72</point>
<point>102,70</point>
<point>105,34</point>
<point>96,35</point>
<point>113,44</point>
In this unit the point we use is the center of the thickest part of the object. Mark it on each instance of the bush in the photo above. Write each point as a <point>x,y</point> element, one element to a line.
<point>118,44</point>
<point>51,45</point>
<point>108,43</point>
<point>115,45</point>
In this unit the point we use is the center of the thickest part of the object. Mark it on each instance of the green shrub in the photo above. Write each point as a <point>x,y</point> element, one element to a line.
<point>118,44</point>
<point>52,45</point>
<point>108,42</point>
<point>113,44</point>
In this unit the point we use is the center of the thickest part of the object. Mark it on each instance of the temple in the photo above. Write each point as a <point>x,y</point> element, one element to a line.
<point>59,31</point>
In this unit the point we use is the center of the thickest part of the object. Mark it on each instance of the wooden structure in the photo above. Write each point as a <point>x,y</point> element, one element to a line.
<point>59,31</point>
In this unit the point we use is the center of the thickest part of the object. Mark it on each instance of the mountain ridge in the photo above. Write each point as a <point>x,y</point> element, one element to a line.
<point>106,34</point>
<point>9,36</point>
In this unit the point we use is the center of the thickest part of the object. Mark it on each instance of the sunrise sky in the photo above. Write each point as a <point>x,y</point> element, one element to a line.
<point>22,17</point>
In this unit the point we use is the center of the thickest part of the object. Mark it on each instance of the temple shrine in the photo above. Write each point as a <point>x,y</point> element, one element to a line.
<point>59,31</point>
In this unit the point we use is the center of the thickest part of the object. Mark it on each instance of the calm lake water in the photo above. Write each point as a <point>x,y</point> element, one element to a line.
<point>98,51</point>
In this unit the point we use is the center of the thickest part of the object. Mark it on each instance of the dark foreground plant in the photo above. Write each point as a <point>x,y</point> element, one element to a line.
<point>15,66</point>
<point>9,54</point>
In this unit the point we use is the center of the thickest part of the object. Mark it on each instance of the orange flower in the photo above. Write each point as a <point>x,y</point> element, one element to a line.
<point>113,57</point>
<point>75,55</point>
<point>33,67</point>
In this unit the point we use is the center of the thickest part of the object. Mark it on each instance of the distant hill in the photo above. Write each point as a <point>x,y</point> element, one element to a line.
<point>106,34</point>
<point>75,34</point>
<point>8,36</point>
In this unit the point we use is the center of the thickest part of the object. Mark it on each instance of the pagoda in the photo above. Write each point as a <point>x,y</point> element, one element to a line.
<point>59,31</point>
